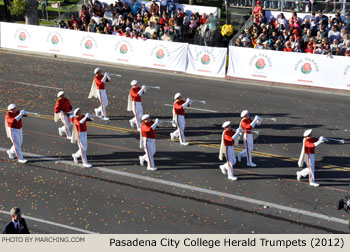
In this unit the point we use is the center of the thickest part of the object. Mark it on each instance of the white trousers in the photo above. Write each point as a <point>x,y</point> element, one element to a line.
<point>66,124</point>
<point>138,113</point>
<point>310,169</point>
<point>149,145</point>
<point>249,146</point>
<point>17,140</point>
<point>179,132</point>
<point>102,96</point>
<point>82,144</point>
<point>230,160</point>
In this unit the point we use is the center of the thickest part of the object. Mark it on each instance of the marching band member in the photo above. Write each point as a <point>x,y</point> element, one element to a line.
<point>80,134</point>
<point>98,90</point>
<point>13,127</point>
<point>307,155</point>
<point>134,103</point>
<point>62,110</point>
<point>227,140</point>
<point>247,125</point>
<point>179,118</point>
<point>148,138</point>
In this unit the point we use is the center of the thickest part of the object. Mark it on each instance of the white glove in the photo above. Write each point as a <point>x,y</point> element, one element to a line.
<point>22,112</point>
<point>257,118</point>
<point>88,115</point>
<point>239,130</point>
<point>155,124</point>
<point>104,77</point>
<point>322,139</point>
<point>188,100</point>
<point>108,76</point>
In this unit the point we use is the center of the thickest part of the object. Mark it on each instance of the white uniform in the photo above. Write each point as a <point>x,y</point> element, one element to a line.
<point>16,136</point>
<point>180,131</point>
<point>229,152</point>
<point>179,118</point>
<point>102,96</point>
<point>138,113</point>
<point>66,124</point>
<point>149,146</point>
<point>82,144</point>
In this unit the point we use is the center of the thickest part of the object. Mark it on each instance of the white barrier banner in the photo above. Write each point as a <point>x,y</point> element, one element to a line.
<point>208,61</point>
<point>124,50</point>
<point>21,37</point>
<point>292,68</point>
<point>163,55</point>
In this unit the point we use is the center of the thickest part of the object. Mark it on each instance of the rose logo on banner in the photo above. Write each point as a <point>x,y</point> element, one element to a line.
<point>260,64</point>
<point>55,40</point>
<point>205,59</point>
<point>160,54</point>
<point>306,68</point>
<point>123,49</point>
<point>22,36</point>
<point>88,44</point>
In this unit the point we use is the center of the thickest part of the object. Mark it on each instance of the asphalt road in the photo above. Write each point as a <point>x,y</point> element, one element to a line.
<point>188,193</point>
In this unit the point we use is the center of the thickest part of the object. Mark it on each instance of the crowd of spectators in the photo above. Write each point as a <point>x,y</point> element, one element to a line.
<point>165,21</point>
<point>318,34</point>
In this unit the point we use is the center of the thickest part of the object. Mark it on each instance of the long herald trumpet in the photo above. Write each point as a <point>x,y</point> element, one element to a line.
<point>251,131</point>
<point>335,140</point>
<point>165,121</point>
<point>33,113</point>
<point>118,75</point>
<point>269,118</point>
<point>203,102</point>
<point>153,87</point>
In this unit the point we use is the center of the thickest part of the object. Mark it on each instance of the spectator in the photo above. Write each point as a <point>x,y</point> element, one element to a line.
<point>154,8</point>
<point>321,19</point>
<point>257,9</point>
<point>310,48</point>
<point>43,4</point>
<point>153,17</point>
<point>143,10</point>
<point>334,33</point>
<point>334,45</point>
<point>163,7</point>
<point>227,32</point>
<point>17,225</point>
<point>135,7</point>
<point>347,22</point>
<point>245,42</point>
<point>203,19</point>
<point>288,47</point>
<point>172,6</point>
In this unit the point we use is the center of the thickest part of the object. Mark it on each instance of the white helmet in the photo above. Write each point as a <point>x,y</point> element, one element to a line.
<point>134,82</point>
<point>76,111</point>
<point>59,94</point>
<point>226,124</point>
<point>97,70</point>
<point>144,117</point>
<point>11,106</point>
<point>244,113</point>
<point>307,132</point>
<point>177,95</point>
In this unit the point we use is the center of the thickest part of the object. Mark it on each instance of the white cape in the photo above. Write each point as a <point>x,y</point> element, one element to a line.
<point>93,90</point>
<point>222,148</point>
<point>75,134</point>
<point>302,157</point>
<point>129,107</point>
<point>8,130</point>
